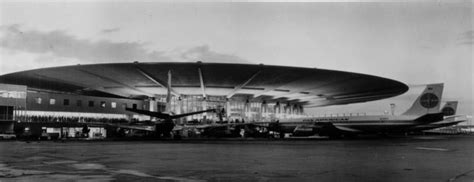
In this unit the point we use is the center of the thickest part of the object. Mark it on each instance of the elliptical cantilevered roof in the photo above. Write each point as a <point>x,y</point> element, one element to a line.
<point>310,87</point>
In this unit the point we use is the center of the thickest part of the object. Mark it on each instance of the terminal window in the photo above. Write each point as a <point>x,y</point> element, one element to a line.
<point>79,103</point>
<point>66,102</point>
<point>38,100</point>
<point>113,104</point>
<point>52,101</point>
<point>91,103</point>
<point>102,104</point>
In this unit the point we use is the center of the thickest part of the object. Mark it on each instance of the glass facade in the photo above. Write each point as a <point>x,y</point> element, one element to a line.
<point>238,108</point>
<point>235,109</point>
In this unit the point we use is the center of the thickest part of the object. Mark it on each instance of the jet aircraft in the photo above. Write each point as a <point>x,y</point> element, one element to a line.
<point>166,123</point>
<point>424,110</point>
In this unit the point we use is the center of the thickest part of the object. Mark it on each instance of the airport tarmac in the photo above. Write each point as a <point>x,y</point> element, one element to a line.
<point>421,158</point>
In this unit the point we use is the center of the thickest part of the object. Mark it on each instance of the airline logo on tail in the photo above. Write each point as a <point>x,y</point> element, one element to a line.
<point>429,100</point>
<point>448,111</point>
<point>450,108</point>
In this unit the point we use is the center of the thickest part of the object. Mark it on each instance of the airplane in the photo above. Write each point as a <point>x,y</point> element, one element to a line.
<point>449,111</point>
<point>166,125</point>
<point>423,111</point>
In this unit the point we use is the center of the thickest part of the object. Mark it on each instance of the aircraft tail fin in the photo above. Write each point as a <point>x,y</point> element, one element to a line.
<point>168,94</point>
<point>449,109</point>
<point>428,102</point>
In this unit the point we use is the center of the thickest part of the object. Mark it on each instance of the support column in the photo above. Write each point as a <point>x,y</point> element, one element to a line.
<point>152,104</point>
<point>227,109</point>
<point>201,81</point>
<point>247,110</point>
<point>277,110</point>
<point>204,107</point>
<point>290,109</point>
<point>180,109</point>
<point>294,110</point>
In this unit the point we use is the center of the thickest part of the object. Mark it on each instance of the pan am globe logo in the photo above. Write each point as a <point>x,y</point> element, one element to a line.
<point>448,111</point>
<point>429,100</point>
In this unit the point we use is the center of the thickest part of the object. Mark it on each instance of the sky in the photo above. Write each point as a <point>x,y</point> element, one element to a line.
<point>416,43</point>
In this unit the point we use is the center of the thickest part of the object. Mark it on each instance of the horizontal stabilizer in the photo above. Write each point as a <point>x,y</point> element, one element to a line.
<point>453,116</point>
<point>346,129</point>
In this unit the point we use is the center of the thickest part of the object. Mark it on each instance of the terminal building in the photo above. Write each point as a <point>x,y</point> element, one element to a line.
<point>246,92</point>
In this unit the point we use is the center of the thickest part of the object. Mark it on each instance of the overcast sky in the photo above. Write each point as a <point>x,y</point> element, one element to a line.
<point>415,43</point>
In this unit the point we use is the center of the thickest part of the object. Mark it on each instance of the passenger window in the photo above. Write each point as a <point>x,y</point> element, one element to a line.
<point>38,100</point>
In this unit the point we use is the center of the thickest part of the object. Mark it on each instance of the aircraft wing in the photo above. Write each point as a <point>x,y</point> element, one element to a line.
<point>165,115</point>
<point>149,113</point>
<point>191,113</point>
<point>144,128</point>
<point>204,126</point>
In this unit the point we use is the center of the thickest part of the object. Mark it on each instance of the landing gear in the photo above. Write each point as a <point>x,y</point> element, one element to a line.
<point>282,135</point>
<point>177,136</point>
<point>164,129</point>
